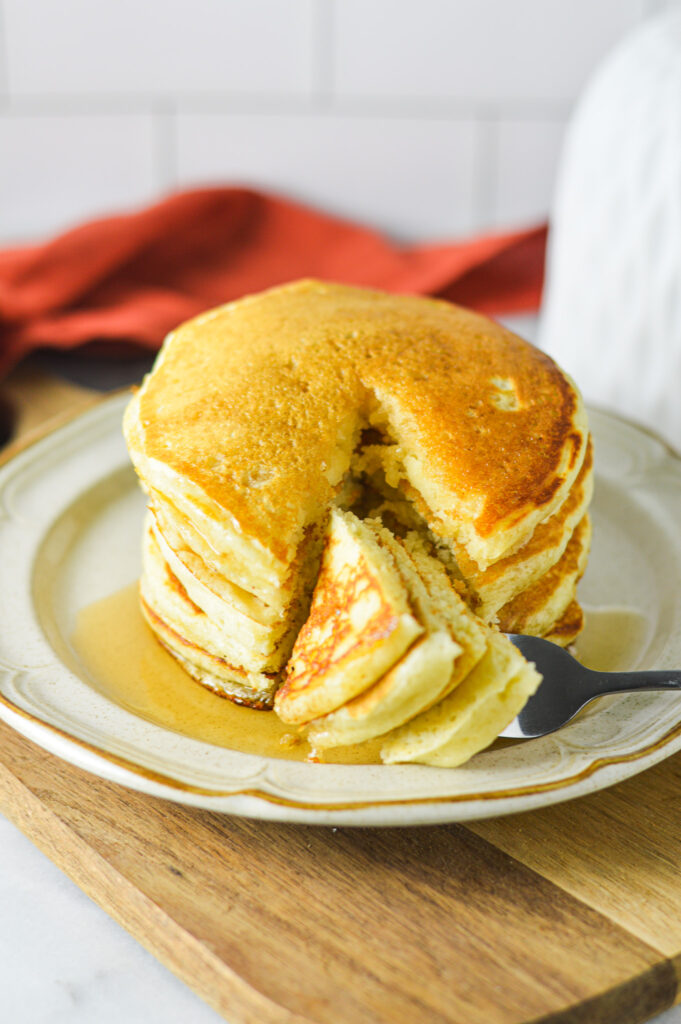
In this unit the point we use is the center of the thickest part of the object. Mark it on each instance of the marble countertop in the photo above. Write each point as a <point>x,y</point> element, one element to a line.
<point>63,960</point>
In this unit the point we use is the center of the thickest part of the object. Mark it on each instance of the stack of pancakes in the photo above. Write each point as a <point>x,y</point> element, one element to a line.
<point>350,493</point>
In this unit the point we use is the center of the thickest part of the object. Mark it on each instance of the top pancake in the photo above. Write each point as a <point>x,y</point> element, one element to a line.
<point>257,406</point>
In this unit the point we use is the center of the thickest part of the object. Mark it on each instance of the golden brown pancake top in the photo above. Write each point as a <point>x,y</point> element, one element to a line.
<point>259,403</point>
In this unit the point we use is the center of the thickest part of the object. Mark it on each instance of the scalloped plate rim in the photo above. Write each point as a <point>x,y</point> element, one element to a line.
<point>261,800</point>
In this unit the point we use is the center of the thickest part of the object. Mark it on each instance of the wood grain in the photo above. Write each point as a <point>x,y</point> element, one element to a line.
<point>570,914</point>
<point>618,850</point>
<point>275,923</point>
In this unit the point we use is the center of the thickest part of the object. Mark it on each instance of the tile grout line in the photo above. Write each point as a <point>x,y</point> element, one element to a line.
<point>404,108</point>
<point>323,53</point>
<point>485,197</point>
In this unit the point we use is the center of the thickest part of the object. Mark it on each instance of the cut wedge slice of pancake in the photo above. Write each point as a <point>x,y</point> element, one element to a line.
<point>417,679</point>
<point>468,630</point>
<point>453,641</point>
<point>472,716</point>
<point>360,624</point>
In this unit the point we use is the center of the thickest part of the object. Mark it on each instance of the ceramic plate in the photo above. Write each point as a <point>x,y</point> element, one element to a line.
<point>70,528</point>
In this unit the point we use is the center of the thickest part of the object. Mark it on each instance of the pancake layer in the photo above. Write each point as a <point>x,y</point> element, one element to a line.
<point>360,623</point>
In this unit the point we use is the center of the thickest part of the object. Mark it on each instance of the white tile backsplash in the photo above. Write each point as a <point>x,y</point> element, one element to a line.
<point>411,177</point>
<point>3,55</point>
<point>658,6</point>
<point>169,48</point>
<point>527,160</point>
<point>474,50</point>
<point>427,119</point>
<point>55,170</point>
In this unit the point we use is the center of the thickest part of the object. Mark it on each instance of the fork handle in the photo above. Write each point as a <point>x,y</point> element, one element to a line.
<point>632,682</point>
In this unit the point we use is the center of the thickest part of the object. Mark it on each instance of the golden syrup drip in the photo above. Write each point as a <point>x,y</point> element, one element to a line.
<point>126,664</point>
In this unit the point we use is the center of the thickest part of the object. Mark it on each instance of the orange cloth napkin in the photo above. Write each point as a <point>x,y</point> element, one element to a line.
<point>131,278</point>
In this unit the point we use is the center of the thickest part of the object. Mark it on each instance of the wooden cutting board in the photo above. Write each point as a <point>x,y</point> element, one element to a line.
<point>568,914</point>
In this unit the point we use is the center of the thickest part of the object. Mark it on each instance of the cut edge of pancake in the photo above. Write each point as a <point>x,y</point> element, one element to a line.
<point>472,715</point>
<point>360,624</point>
<point>252,689</point>
<point>401,693</point>
<point>427,671</point>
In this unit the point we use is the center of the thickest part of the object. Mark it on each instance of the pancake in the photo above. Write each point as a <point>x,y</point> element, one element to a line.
<point>239,638</point>
<point>242,559</point>
<point>399,695</point>
<point>472,716</point>
<point>469,631</point>
<point>360,623</point>
<point>186,632</point>
<point>566,630</point>
<point>542,605</point>
<point>428,670</point>
<point>495,587</point>
<point>200,559</point>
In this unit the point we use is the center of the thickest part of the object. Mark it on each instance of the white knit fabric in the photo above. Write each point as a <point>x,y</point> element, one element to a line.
<point>612,312</point>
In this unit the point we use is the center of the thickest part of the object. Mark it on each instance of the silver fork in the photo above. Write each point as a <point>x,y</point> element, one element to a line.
<point>567,687</point>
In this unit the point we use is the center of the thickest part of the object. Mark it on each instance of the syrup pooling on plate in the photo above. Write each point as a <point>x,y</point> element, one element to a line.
<point>613,639</point>
<point>127,665</point>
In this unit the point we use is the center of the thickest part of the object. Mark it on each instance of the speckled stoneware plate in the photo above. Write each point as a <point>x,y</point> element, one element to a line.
<point>70,527</point>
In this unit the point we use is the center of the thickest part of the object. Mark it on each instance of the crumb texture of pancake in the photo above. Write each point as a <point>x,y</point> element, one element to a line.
<point>360,623</point>
<point>471,717</point>
<point>350,494</point>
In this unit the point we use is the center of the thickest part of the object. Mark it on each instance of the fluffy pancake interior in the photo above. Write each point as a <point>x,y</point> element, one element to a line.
<point>360,623</point>
<point>469,631</point>
<point>419,678</point>
<point>416,680</point>
<point>472,715</point>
